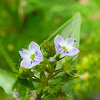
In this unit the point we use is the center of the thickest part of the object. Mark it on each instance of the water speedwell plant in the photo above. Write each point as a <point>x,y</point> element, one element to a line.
<point>46,72</point>
<point>65,47</point>
<point>33,57</point>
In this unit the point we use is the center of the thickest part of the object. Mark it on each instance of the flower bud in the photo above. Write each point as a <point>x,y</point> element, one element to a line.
<point>52,60</point>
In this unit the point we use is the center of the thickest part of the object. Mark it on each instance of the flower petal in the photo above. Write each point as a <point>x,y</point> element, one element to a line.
<point>24,53</point>
<point>59,49</point>
<point>38,58</point>
<point>58,40</point>
<point>34,47</point>
<point>69,42</point>
<point>73,51</point>
<point>26,63</point>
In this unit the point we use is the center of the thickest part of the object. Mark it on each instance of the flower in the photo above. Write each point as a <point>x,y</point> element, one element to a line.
<point>65,47</point>
<point>31,57</point>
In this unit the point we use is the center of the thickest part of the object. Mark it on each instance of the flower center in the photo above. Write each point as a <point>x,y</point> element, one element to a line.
<point>32,56</point>
<point>64,48</point>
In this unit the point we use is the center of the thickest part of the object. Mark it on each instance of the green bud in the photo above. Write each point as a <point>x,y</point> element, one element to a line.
<point>50,49</point>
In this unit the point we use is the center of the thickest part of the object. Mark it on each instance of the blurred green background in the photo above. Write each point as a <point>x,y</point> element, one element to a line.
<point>23,21</point>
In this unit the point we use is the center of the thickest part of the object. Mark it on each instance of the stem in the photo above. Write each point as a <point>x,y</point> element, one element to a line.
<point>74,78</point>
<point>47,70</point>
<point>52,75</point>
<point>58,70</point>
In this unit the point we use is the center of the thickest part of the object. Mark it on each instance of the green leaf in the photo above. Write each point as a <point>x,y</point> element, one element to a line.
<point>27,83</point>
<point>54,81</point>
<point>71,27</point>
<point>7,79</point>
<point>4,96</point>
<point>23,92</point>
<point>53,96</point>
<point>42,76</point>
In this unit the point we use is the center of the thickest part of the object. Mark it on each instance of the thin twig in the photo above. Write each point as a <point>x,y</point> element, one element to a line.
<point>58,70</point>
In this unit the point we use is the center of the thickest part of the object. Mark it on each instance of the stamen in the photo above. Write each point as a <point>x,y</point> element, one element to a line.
<point>21,58</point>
<point>69,36</point>
<point>67,51</point>
<point>36,52</point>
<point>16,94</point>
<point>21,49</point>
<point>31,62</point>
<point>59,45</point>
<point>74,40</point>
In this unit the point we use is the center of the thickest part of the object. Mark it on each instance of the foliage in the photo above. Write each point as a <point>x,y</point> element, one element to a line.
<point>22,21</point>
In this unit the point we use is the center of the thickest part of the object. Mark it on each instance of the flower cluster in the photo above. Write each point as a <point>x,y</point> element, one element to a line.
<point>33,55</point>
<point>65,47</point>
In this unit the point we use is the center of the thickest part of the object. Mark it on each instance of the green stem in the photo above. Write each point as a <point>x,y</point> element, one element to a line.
<point>47,70</point>
<point>58,70</point>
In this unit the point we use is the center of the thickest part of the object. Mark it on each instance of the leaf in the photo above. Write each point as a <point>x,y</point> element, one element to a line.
<point>54,81</point>
<point>7,79</point>
<point>4,96</point>
<point>23,92</point>
<point>42,76</point>
<point>70,28</point>
<point>53,96</point>
<point>27,83</point>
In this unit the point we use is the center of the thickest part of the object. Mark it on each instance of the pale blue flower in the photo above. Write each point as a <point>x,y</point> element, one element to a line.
<point>65,47</point>
<point>31,57</point>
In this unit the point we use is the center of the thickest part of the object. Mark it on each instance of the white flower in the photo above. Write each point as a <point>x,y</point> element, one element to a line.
<point>65,47</point>
<point>31,57</point>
